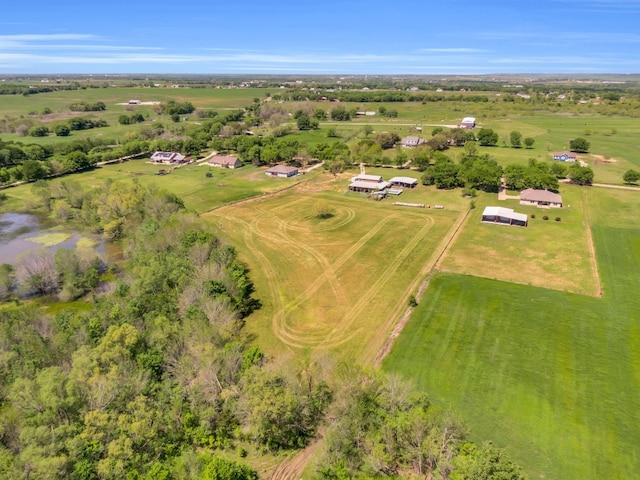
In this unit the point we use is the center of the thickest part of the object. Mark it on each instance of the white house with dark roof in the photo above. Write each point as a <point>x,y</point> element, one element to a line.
<point>412,141</point>
<point>565,156</point>
<point>540,198</point>
<point>504,216</point>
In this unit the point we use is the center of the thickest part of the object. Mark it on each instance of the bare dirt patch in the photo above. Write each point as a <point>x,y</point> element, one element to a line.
<point>600,159</point>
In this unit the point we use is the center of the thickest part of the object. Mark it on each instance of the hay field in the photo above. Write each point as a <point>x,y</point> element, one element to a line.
<point>336,284</point>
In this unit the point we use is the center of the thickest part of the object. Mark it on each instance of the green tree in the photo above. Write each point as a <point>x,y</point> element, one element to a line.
<point>631,176</point>
<point>438,142</point>
<point>61,130</point>
<point>515,138</point>
<point>39,131</point>
<point>529,141</point>
<point>221,469</point>
<point>487,137</point>
<point>579,145</point>
<point>580,175</point>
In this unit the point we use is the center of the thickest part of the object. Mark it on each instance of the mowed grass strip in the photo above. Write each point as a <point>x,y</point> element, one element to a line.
<point>552,376</point>
<point>546,254</point>
<point>331,284</point>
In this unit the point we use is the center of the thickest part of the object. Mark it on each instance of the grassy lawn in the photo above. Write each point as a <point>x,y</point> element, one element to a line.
<point>554,377</point>
<point>189,182</point>
<point>546,254</point>
<point>336,284</point>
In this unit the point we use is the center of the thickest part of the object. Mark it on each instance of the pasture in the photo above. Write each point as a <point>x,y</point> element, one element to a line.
<point>552,376</point>
<point>547,254</point>
<point>335,284</point>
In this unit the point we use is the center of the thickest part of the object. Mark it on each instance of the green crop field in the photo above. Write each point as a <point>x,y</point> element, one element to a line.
<point>553,376</point>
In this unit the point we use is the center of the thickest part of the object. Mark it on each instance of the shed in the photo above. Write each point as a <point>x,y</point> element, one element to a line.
<point>504,216</point>
<point>407,182</point>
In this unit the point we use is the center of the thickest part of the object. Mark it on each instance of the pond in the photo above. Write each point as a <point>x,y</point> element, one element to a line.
<point>22,232</point>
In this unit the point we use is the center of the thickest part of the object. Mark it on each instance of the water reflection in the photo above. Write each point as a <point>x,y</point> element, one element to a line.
<point>17,234</point>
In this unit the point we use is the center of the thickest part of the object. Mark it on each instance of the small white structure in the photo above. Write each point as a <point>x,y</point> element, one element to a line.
<point>406,182</point>
<point>504,216</point>
<point>541,198</point>
<point>134,102</point>
<point>367,178</point>
<point>468,122</point>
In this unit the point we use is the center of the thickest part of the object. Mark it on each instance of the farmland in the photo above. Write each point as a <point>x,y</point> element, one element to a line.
<point>529,334</point>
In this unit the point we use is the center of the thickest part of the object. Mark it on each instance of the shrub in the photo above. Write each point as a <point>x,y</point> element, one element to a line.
<point>546,217</point>
<point>533,215</point>
<point>412,301</point>
<point>557,219</point>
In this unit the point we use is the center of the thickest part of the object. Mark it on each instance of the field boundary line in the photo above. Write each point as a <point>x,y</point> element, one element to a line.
<point>402,321</point>
<point>590,244</point>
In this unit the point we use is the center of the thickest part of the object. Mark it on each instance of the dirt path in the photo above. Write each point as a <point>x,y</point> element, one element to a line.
<point>618,187</point>
<point>292,469</point>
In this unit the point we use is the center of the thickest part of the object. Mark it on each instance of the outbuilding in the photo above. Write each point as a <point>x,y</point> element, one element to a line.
<point>405,182</point>
<point>504,216</point>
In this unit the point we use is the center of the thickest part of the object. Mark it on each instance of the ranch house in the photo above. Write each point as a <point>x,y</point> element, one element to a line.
<point>282,171</point>
<point>406,182</point>
<point>411,141</point>
<point>167,157</point>
<point>222,161</point>
<point>541,198</point>
<point>504,216</point>
<point>565,156</point>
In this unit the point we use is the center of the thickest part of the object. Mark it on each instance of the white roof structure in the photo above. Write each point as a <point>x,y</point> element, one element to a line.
<point>504,213</point>
<point>469,120</point>
<point>405,180</point>
<point>367,178</point>
<point>370,185</point>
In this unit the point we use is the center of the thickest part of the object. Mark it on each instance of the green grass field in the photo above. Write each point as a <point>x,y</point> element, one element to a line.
<point>554,377</point>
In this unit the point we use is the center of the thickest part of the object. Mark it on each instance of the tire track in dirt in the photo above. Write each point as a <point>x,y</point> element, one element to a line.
<point>292,469</point>
<point>381,280</point>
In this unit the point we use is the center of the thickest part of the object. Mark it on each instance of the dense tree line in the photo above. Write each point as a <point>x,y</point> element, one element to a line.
<point>473,171</point>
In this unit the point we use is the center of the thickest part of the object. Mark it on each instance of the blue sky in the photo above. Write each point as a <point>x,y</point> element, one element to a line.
<point>328,37</point>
